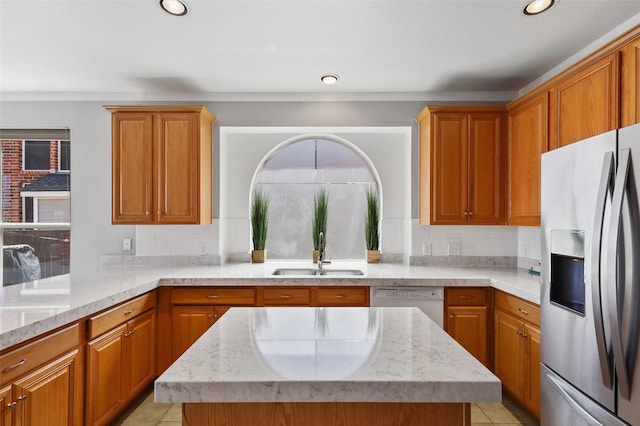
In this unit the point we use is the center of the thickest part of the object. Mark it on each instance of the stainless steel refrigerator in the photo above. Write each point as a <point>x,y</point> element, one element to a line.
<point>590,298</point>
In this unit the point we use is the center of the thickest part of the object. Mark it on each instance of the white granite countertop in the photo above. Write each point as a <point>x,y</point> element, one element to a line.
<point>326,355</point>
<point>30,309</point>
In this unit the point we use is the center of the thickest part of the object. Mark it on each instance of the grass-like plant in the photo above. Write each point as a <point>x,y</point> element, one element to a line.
<point>259,219</point>
<point>319,221</point>
<point>371,221</point>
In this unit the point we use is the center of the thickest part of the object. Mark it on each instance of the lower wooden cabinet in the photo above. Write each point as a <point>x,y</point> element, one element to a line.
<point>120,364</point>
<point>189,322</point>
<point>517,349</point>
<point>467,320</point>
<point>41,384</point>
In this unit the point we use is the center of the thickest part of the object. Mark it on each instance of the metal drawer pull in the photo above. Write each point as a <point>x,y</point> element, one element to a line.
<point>340,296</point>
<point>285,296</point>
<point>12,405</point>
<point>129,312</point>
<point>128,334</point>
<point>18,364</point>
<point>523,311</point>
<point>213,296</point>
<point>22,398</point>
<point>466,297</point>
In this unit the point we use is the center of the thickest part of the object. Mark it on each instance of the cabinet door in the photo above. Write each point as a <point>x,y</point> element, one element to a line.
<point>487,165</point>
<point>449,171</point>
<point>508,351</point>
<point>6,406</point>
<point>132,168</point>
<point>48,397</point>
<point>188,323</point>
<point>468,326</point>
<point>140,349</point>
<point>527,141</point>
<point>178,168</point>
<point>586,103</point>
<point>532,351</point>
<point>105,375</point>
<point>630,84</point>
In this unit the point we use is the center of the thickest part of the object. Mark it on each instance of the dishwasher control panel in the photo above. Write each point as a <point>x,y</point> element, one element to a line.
<point>407,293</point>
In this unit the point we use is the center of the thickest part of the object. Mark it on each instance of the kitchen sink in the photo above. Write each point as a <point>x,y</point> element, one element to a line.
<point>315,271</point>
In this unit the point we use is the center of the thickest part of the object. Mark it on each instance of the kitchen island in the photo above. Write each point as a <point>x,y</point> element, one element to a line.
<point>319,366</point>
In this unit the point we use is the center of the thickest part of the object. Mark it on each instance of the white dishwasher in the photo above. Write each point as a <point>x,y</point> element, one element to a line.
<point>430,300</point>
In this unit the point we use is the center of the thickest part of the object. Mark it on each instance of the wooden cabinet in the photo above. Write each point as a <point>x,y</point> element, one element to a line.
<point>120,361</point>
<point>517,348</point>
<point>630,84</point>
<point>161,164</point>
<point>342,296</point>
<point>586,103</point>
<point>467,320</point>
<point>41,383</point>
<point>528,131</point>
<point>190,322</point>
<point>462,165</point>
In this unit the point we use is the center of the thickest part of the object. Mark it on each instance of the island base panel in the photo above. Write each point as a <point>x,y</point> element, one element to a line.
<point>326,413</point>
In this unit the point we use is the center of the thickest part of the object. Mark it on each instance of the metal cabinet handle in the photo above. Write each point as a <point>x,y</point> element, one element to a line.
<point>470,213</point>
<point>466,297</point>
<point>148,212</point>
<point>129,333</point>
<point>518,332</point>
<point>129,312</point>
<point>213,296</point>
<point>340,296</point>
<point>451,316</point>
<point>22,398</point>
<point>466,213</point>
<point>285,296</point>
<point>524,311</point>
<point>12,405</point>
<point>16,365</point>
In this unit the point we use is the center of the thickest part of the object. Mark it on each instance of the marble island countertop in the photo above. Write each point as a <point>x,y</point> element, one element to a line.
<point>30,309</point>
<point>326,355</point>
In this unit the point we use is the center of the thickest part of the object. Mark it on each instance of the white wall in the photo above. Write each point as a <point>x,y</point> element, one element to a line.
<point>93,235</point>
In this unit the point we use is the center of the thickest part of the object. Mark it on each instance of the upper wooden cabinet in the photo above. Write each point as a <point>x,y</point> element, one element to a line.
<point>630,84</point>
<point>585,103</point>
<point>161,164</point>
<point>462,165</point>
<point>527,140</point>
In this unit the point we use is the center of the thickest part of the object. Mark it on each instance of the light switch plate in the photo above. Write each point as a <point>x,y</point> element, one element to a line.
<point>454,249</point>
<point>426,249</point>
<point>126,244</point>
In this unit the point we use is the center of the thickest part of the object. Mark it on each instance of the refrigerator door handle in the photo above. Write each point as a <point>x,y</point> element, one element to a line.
<point>605,188</point>
<point>578,402</point>
<point>612,275</point>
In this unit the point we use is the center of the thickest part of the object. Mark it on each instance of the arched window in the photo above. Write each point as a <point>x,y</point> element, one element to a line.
<point>292,176</point>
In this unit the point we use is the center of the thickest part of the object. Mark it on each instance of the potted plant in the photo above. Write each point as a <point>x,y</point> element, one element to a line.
<point>319,222</point>
<point>371,235</point>
<point>259,224</point>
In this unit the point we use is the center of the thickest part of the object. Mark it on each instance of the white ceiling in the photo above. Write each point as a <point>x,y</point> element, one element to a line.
<point>244,49</point>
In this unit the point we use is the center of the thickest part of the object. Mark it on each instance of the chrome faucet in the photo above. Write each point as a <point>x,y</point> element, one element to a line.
<point>321,261</point>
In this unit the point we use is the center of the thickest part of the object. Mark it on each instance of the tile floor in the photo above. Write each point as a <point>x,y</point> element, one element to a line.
<point>148,413</point>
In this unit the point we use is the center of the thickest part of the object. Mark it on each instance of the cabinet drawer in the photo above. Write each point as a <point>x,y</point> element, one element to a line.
<point>214,296</point>
<point>285,296</point>
<point>522,309</point>
<point>466,296</point>
<point>105,321</point>
<point>26,358</point>
<point>341,296</point>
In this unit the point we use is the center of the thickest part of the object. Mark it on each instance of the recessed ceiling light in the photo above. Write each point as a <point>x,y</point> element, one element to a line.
<point>538,6</point>
<point>329,79</point>
<point>174,7</point>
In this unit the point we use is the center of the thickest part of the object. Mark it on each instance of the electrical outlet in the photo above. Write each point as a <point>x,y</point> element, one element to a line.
<point>126,244</point>
<point>454,249</point>
<point>426,249</point>
<point>204,249</point>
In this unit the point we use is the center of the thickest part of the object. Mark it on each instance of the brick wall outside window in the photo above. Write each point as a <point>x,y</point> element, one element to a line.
<point>14,178</point>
